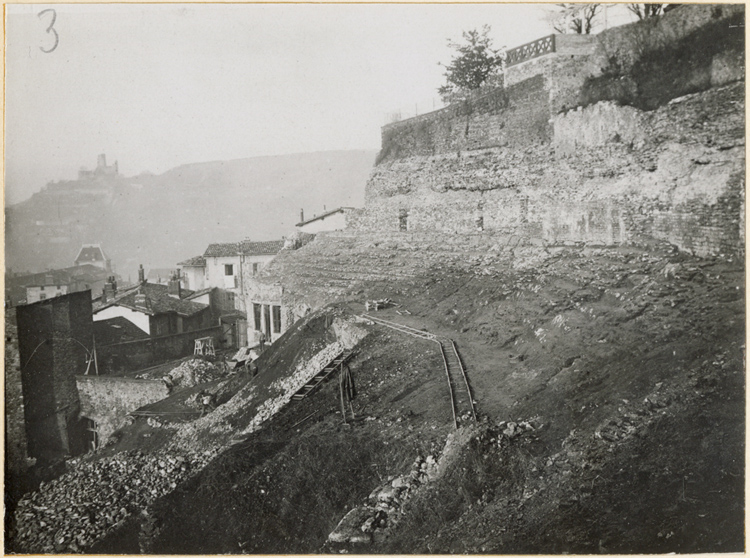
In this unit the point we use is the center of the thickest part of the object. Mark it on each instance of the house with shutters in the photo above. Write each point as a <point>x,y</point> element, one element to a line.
<point>228,267</point>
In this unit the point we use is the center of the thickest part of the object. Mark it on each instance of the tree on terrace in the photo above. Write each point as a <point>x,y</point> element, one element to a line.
<point>475,64</point>
<point>645,11</point>
<point>575,18</point>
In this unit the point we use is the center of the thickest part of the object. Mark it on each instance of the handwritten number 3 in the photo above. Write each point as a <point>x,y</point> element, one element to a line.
<point>50,29</point>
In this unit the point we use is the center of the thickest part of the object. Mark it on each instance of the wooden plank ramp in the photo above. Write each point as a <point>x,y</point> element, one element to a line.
<point>333,366</point>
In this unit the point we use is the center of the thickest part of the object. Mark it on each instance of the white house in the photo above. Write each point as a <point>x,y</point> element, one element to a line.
<point>194,273</point>
<point>48,285</point>
<point>228,267</point>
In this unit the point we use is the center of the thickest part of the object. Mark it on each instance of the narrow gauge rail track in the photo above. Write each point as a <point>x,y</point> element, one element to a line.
<point>462,401</point>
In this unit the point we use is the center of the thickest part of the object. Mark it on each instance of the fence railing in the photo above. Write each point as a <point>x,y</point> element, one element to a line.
<point>534,49</point>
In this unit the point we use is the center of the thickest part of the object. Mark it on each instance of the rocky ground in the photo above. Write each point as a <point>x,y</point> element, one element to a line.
<point>610,388</point>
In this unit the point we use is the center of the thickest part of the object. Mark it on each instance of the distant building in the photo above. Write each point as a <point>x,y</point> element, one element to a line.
<point>101,169</point>
<point>55,341</point>
<point>41,286</point>
<point>93,254</point>
<point>48,285</point>
<point>159,276</point>
<point>334,220</point>
<point>194,273</point>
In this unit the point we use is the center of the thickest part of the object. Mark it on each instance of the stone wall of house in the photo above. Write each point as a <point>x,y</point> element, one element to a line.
<point>107,400</point>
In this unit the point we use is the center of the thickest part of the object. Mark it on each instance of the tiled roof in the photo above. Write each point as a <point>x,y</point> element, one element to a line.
<point>91,253</point>
<point>197,261</point>
<point>160,301</point>
<point>268,248</point>
<point>246,248</point>
<point>52,277</point>
<point>65,276</point>
<point>222,249</point>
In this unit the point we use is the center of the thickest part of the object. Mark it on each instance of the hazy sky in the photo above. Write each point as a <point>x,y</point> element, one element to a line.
<point>156,86</point>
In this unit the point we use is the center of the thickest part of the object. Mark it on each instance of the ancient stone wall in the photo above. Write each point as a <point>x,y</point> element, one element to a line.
<point>519,161</point>
<point>514,116</point>
<point>107,400</point>
<point>624,44</point>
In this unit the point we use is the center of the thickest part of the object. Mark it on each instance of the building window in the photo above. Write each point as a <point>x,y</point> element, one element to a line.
<point>228,269</point>
<point>42,296</point>
<point>276,319</point>
<point>255,269</point>
<point>41,288</point>
<point>256,316</point>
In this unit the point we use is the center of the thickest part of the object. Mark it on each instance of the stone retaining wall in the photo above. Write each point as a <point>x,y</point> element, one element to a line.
<point>107,400</point>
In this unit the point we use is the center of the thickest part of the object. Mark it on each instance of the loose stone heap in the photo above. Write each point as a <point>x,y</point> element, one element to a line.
<point>196,371</point>
<point>70,513</point>
<point>385,504</point>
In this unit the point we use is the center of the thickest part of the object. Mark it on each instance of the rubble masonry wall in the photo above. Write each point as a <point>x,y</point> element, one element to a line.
<point>107,400</point>
<point>517,161</point>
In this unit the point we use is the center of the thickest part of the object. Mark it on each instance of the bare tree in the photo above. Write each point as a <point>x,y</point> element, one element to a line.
<point>645,11</point>
<point>575,18</point>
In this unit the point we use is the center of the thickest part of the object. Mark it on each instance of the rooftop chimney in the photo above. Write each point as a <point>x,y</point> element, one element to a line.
<point>141,275</point>
<point>110,289</point>
<point>301,215</point>
<point>173,287</point>
<point>141,301</point>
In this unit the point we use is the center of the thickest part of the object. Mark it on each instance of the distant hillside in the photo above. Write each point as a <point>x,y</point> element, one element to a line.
<point>160,220</point>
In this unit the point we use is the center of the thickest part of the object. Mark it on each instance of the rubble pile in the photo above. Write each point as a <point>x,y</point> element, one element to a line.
<point>195,371</point>
<point>385,505</point>
<point>288,386</point>
<point>70,513</point>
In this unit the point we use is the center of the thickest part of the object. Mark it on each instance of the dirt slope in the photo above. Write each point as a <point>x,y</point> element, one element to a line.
<point>627,363</point>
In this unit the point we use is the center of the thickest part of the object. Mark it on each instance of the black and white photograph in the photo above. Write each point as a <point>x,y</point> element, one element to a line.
<point>374,278</point>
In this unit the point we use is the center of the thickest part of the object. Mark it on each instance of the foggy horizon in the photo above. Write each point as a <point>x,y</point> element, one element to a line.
<point>155,87</point>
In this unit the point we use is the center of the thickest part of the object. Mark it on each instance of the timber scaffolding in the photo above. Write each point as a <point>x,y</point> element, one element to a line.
<point>462,401</point>
<point>336,364</point>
